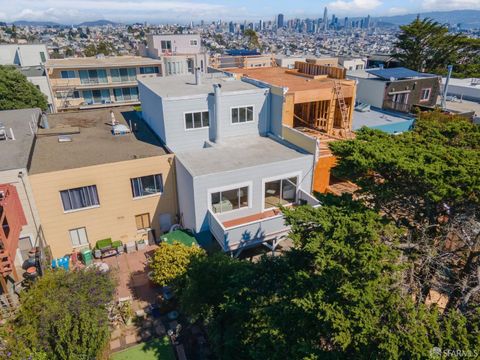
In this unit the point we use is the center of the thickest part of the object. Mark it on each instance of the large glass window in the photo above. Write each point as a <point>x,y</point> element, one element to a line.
<point>147,185</point>
<point>126,94</point>
<point>149,70</point>
<point>97,96</point>
<point>78,237</point>
<point>280,192</point>
<point>123,75</point>
<point>196,120</point>
<point>79,198</point>
<point>97,76</point>
<point>242,114</point>
<point>229,200</point>
<point>67,74</point>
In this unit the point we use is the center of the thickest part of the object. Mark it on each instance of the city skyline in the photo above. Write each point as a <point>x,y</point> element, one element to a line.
<point>67,12</point>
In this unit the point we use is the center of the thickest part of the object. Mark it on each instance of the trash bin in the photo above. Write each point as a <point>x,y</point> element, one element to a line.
<point>87,256</point>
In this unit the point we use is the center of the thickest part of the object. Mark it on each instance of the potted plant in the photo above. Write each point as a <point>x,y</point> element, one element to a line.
<point>141,244</point>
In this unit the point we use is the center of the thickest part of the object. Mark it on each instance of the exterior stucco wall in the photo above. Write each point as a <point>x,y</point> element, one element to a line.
<point>115,216</point>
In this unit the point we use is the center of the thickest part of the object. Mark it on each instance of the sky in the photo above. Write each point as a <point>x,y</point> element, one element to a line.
<point>184,11</point>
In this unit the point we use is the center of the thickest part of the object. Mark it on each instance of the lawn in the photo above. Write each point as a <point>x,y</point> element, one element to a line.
<point>157,349</point>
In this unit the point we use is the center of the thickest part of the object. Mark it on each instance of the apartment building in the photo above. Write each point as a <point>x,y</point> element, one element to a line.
<point>180,53</point>
<point>99,174</point>
<point>233,168</point>
<point>98,82</point>
<point>396,89</point>
<point>315,105</point>
<point>19,220</point>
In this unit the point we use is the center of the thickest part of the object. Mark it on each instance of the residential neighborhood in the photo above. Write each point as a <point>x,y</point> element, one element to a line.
<point>217,188</point>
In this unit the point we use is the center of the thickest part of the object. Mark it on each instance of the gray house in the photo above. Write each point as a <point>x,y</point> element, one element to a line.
<point>233,169</point>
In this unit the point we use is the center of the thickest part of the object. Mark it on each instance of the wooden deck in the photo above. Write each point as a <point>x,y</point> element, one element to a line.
<point>251,218</point>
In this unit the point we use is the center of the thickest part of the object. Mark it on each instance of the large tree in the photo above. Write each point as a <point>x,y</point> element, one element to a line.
<point>62,316</point>
<point>427,181</point>
<point>16,92</point>
<point>337,295</point>
<point>426,45</point>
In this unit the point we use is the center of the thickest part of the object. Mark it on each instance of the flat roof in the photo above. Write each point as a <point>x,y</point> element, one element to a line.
<point>94,144</point>
<point>462,106</point>
<point>472,83</point>
<point>387,121</point>
<point>107,61</point>
<point>237,153</point>
<point>31,71</point>
<point>281,77</point>
<point>14,154</point>
<point>184,85</point>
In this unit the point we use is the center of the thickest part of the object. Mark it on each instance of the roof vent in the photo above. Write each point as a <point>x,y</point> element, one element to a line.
<point>64,138</point>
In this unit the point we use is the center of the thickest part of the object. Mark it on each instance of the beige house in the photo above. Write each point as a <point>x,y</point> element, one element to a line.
<point>93,180</point>
<point>98,82</point>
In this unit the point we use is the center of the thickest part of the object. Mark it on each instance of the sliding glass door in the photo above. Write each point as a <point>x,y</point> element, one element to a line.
<point>280,192</point>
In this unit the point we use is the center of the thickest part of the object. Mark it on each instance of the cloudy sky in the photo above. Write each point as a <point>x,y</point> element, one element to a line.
<point>74,11</point>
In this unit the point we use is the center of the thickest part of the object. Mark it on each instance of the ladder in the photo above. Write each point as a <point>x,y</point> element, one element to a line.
<point>341,102</point>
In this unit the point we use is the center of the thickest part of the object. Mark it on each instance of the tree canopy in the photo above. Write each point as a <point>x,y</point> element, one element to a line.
<point>103,47</point>
<point>62,316</point>
<point>426,45</point>
<point>16,92</point>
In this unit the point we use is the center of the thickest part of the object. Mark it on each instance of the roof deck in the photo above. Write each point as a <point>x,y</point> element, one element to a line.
<point>85,138</point>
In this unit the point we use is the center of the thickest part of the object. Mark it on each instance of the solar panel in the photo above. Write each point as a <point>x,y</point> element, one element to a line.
<point>397,73</point>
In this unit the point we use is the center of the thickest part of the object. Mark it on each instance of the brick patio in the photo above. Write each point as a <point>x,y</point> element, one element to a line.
<point>131,272</point>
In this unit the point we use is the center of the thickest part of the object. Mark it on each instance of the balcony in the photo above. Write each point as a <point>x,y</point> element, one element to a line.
<point>241,233</point>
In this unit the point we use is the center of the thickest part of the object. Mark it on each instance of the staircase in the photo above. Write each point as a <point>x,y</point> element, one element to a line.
<point>6,264</point>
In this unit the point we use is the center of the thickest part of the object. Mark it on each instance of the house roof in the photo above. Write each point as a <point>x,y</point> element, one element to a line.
<point>398,73</point>
<point>92,141</point>
<point>15,154</point>
<point>184,85</point>
<point>241,152</point>
<point>107,61</point>
<point>283,77</point>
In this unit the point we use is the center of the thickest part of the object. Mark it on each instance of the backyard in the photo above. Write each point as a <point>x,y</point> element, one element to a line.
<point>157,349</point>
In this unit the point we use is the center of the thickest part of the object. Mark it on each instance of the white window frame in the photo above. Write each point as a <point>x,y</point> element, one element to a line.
<point>193,42</point>
<point>429,94</point>
<point>79,209</point>
<point>298,175</point>
<point>159,193</point>
<point>194,128</point>
<point>248,184</point>
<point>86,237</point>
<point>240,107</point>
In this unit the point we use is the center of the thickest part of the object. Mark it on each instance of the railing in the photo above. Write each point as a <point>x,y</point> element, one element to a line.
<point>391,105</point>
<point>307,199</point>
<point>257,231</point>
<point>237,236</point>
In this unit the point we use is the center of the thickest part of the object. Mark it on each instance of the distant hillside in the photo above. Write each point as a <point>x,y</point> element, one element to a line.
<point>467,18</point>
<point>35,23</point>
<point>98,23</point>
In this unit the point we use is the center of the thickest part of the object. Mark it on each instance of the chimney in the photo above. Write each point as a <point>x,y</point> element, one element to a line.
<point>217,93</point>
<point>198,76</point>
